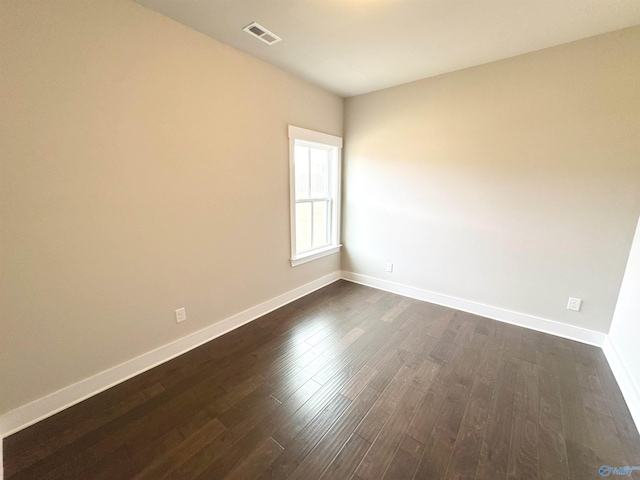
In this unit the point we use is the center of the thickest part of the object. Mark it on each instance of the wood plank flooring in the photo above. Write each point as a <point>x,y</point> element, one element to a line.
<point>348,383</point>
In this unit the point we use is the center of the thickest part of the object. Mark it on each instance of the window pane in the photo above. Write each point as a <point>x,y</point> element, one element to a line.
<point>319,173</point>
<point>303,226</point>
<point>320,223</point>
<point>301,155</point>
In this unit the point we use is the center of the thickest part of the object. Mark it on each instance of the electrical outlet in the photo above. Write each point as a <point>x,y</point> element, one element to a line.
<point>574,304</point>
<point>181,315</point>
<point>389,267</point>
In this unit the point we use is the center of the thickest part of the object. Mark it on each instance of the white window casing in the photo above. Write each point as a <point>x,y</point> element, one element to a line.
<point>315,212</point>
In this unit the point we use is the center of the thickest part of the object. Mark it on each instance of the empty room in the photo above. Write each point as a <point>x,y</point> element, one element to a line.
<point>319,239</point>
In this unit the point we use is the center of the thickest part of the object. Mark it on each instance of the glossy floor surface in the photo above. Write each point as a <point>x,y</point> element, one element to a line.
<point>349,382</point>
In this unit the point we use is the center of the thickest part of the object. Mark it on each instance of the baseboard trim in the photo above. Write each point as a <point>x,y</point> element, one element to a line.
<point>620,370</point>
<point>503,315</point>
<point>53,403</point>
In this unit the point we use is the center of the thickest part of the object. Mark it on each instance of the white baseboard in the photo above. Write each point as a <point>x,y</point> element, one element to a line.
<point>620,370</point>
<point>508,316</point>
<point>44,407</point>
<point>53,403</point>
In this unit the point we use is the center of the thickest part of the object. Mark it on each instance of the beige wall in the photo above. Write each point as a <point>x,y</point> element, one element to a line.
<point>515,184</point>
<point>144,167</point>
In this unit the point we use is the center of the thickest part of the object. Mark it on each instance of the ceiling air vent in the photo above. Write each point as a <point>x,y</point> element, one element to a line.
<point>262,33</point>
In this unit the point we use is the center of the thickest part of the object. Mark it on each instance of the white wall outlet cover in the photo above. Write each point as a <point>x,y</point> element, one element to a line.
<point>574,304</point>
<point>389,267</point>
<point>181,315</point>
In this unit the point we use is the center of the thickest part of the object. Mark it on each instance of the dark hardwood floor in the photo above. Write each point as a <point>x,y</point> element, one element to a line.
<point>349,382</point>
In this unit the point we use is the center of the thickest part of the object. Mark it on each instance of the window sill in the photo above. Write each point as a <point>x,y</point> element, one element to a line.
<point>308,257</point>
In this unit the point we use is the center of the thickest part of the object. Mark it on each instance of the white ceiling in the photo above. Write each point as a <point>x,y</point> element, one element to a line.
<point>357,46</point>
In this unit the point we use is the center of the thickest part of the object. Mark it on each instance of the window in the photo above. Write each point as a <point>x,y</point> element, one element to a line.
<point>315,194</point>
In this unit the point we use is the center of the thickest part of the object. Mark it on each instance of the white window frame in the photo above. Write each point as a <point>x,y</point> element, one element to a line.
<point>334,144</point>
